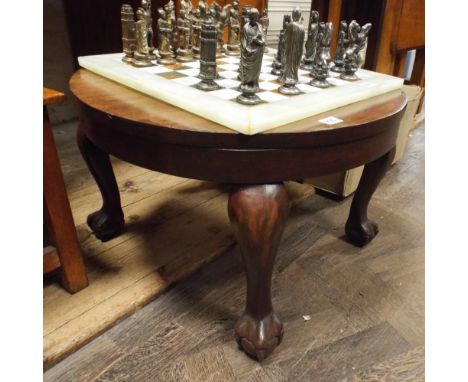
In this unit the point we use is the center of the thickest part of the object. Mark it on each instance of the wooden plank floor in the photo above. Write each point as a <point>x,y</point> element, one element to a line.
<point>366,304</point>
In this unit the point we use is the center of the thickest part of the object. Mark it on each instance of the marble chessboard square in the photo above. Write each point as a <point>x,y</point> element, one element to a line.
<point>175,84</point>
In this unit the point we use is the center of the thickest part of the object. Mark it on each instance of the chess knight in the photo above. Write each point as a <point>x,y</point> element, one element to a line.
<point>252,45</point>
<point>292,54</point>
<point>357,40</point>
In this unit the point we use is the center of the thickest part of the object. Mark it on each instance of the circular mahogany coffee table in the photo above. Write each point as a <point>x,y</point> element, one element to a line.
<point>152,134</point>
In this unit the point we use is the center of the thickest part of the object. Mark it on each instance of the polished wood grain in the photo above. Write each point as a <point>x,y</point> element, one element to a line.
<point>51,96</point>
<point>154,135</point>
<point>258,214</point>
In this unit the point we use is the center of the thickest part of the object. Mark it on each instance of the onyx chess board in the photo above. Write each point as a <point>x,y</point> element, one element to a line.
<point>175,84</point>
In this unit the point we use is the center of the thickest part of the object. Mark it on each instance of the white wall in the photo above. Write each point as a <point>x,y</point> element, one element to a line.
<point>278,8</point>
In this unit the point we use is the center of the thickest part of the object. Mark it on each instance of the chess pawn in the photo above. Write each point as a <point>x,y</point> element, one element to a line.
<point>184,53</point>
<point>338,62</point>
<point>146,6</point>
<point>252,49</point>
<point>292,54</point>
<point>311,43</point>
<point>195,37</point>
<point>128,32</point>
<point>208,40</point>
<point>141,56</point>
<point>166,56</point>
<point>265,23</point>
<point>322,58</point>
<point>233,45</point>
<point>277,62</point>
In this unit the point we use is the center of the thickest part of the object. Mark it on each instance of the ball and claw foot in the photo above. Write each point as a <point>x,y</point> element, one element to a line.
<point>258,338</point>
<point>361,234</point>
<point>104,226</point>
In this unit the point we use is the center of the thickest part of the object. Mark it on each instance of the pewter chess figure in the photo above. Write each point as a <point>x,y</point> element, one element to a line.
<point>128,32</point>
<point>184,53</point>
<point>252,49</point>
<point>338,66</point>
<point>357,37</point>
<point>233,21</point>
<point>208,40</point>
<point>277,62</point>
<point>265,22</point>
<point>196,30</point>
<point>322,60</point>
<point>165,33</point>
<point>146,6</point>
<point>292,54</point>
<point>311,43</point>
<point>141,56</point>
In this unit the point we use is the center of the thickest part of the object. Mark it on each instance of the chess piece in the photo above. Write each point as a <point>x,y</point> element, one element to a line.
<point>245,16</point>
<point>220,23</point>
<point>233,45</point>
<point>357,37</point>
<point>204,10</point>
<point>169,9</point>
<point>361,58</point>
<point>265,22</point>
<point>208,40</point>
<point>166,55</point>
<point>338,62</point>
<point>128,32</point>
<point>252,48</point>
<point>141,55</point>
<point>322,60</point>
<point>184,53</point>
<point>186,6</point>
<point>146,6</point>
<point>277,62</point>
<point>311,43</point>
<point>292,54</point>
<point>196,30</point>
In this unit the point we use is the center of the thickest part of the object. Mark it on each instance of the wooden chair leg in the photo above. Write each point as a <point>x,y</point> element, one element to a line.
<point>62,227</point>
<point>108,222</point>
<point>359,229</point>
<point>258,214</point>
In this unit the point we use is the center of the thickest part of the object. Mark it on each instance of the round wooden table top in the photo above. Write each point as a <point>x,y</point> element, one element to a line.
<point>156,135</point>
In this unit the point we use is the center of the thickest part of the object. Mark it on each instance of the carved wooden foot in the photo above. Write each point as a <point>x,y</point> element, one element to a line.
<point>258,214</point>
<point>108,222</point>
<point>359,229</point>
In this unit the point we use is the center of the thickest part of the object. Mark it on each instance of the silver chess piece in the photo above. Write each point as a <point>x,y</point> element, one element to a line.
<point>252,48</point>
<point>311,43</point>
<point>186,6</point>
<point>219,17</point>
<point>128,32</point>
<point>322,60</point>
<point>277,62</point>
<point>265,22</point>
<point>338,62</point>
<point>146,6</point>
<point>233,22</point>
<point>208,56</point>
<point>141,55</point>
<point>196,30</point>
<point>361,59</point>
<point>184,53</point>
<point>357,37</point>
<point>292,54</point>
<point>165,32</point>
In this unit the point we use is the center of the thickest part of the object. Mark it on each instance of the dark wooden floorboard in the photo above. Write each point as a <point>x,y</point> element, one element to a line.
<point>366,304</point>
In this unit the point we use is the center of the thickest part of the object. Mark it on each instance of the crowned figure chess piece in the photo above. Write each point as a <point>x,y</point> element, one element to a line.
<point>165,32</point>
<point>357,37</point>
<point>292,54</point>
<point>186,6</point>
<point>338,62</point>
<point>128,32</point>
<point>233,22</point>
<point>277,62</point>
<point>195,36</point>
<point>265,22</point>
<point>252,48</point>
<point>141,55</point>
<point>311,43</point>
<point>208,40</point>
<point>184,52</point>
<point>321,69</point>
